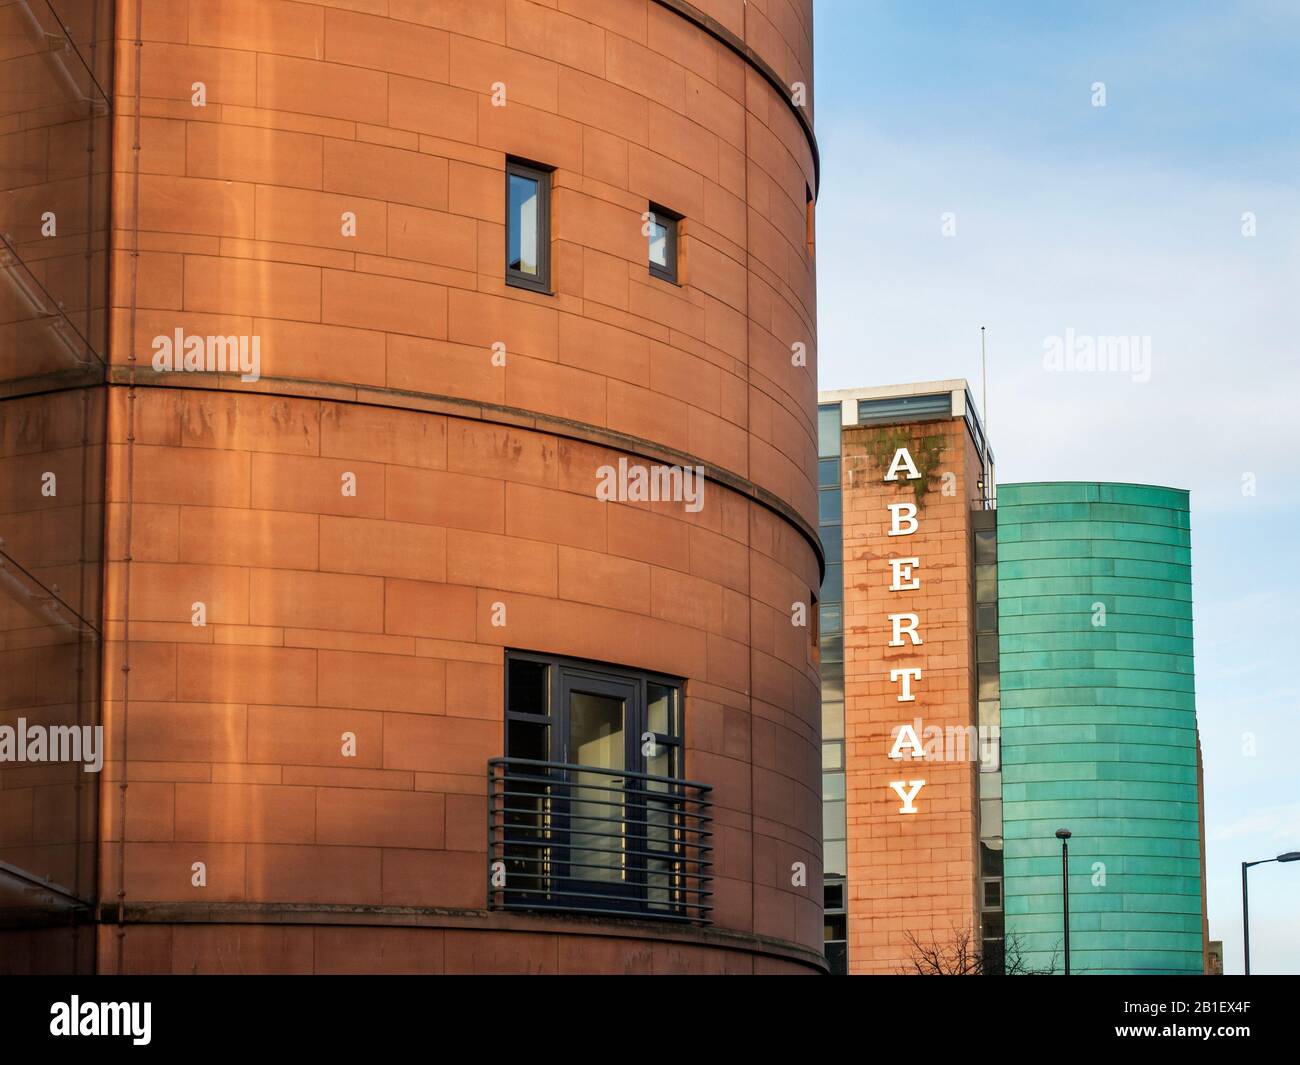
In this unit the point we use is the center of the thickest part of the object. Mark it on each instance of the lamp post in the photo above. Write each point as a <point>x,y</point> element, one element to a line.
<point>1063,834</point>
<point>1289,856</point>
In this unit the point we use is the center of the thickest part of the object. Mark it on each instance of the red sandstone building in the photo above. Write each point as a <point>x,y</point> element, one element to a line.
<point>913,827</point>
<point>402,660</point>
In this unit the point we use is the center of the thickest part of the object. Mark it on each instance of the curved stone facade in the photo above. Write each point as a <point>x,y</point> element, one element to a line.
<point>409,487</point>
<point>1099,725</point>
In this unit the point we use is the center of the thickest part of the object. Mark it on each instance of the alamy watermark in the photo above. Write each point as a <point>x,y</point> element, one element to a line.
<point>1082,353</point>
<point>948,743</point>
<point>208,354</point>
<point>53,743</point>
<point>651,484</point>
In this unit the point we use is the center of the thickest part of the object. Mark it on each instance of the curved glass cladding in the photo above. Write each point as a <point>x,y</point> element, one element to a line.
<point>1099,726</point>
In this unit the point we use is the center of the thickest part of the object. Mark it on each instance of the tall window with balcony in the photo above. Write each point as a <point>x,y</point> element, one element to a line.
<point>590,810</point>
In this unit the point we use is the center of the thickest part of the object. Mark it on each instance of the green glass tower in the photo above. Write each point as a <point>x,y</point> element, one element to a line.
<point>1098,719</point>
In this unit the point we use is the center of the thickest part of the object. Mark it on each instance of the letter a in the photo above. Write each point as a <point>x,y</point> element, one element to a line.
<point>903,458</point>
<point>907,737</point>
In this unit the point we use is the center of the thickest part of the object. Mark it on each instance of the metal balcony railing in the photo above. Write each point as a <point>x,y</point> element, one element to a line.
<point>580,839</point>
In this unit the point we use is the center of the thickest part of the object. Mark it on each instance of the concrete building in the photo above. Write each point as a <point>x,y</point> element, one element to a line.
<point>430,396</point>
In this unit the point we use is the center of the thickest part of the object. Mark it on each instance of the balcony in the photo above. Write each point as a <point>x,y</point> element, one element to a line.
<point>582,839</point>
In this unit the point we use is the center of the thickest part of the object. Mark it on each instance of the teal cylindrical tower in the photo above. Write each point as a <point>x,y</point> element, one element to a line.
<point>1099,726</point>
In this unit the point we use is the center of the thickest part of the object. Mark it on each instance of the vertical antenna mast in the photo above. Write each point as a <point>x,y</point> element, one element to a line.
<point>984,434</point>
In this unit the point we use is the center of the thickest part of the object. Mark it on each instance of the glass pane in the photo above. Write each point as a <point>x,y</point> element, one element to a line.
<point>830,506</point>
<point>833,820</point>
<point>828,430</point>
<point>986,648</point>
<point>834,854</point>
<point>596,724</point>
<point>596,730</point>
<point>986,584</point>
<point>828,473</point>
<point>662,764</point>
<point>990,817</point>
<point>832,649</point>
<point>833,896</point>
<point>662,709</point>
<point>903,408</point>
<point>989,682</point>
<point>832,756</point>
<point>832,786</point>
<point>832,590</point>
<point>528,739</point>
<point>986,545</point>
<point>837,958</point>
<point>986,617</point>
<point>832,542</point>
<point>832,721</point>
<point>659,244</point>
<point>832,617</point>
<point>529,687</point>
<point>525,205</point>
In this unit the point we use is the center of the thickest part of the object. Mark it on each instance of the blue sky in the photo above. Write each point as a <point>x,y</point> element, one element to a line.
<point>1122,220</point>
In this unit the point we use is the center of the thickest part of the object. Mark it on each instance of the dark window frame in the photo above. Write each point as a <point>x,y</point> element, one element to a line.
<point>542,175</point>
<point>671,221</point>
<point>562,668</point>
<point>645,885</point>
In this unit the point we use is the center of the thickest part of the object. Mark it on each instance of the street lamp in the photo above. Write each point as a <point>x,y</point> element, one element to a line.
<point>1063,834</point>
<point>1289,856</point>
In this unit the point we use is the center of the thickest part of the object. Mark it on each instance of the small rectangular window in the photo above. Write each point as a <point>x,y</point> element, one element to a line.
<point>661,228</point>
<point>528,226</point>
<point>828,431</point>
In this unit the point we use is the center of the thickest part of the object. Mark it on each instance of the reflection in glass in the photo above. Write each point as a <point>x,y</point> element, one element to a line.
<point>835,856</point>
<point>658,244</point>
<point>830,505</point>
<point>523,223</point>
<point>661,710</point>
<point>596,725</point>
<point>828,430</point>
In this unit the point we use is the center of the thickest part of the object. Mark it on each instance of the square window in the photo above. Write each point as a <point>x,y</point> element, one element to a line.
<point>528,227</point>
<point>830,506</point>
<point>832,617</point>
<point>828,473</point>
<point>832,542</point>
<point>661,231</point>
